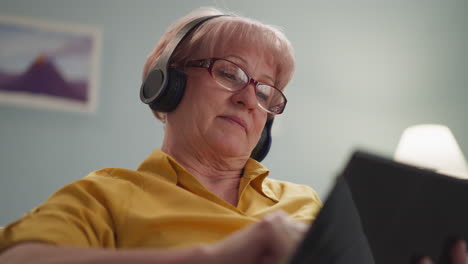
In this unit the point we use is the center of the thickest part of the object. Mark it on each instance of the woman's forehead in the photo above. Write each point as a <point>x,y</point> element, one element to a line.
<point>240,52</point>
<point>250,59</point>
<point>247,51</point>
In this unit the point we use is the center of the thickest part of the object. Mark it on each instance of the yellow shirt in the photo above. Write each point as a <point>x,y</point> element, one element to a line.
<point>159,205</point>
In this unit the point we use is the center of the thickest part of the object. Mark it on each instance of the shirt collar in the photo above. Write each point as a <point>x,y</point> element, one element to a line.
<point>257,173</point>
<point>161,165</point>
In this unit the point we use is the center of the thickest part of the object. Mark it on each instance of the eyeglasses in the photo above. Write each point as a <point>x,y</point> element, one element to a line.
<point>231,77</point>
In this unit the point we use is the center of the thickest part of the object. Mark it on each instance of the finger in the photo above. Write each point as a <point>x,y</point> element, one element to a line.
<point>425,260</point>
<point>286,225</point>
<point>298,226</point>
<point>284,232</point>
<point>458,252</point>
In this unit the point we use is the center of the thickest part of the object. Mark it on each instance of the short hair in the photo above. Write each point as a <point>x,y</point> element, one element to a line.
<point>216,33</point>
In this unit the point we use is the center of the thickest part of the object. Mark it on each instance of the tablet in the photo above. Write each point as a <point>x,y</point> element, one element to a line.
<point>385,212</point>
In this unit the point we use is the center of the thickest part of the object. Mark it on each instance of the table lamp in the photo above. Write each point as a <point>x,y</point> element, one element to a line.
<point>432,147</point>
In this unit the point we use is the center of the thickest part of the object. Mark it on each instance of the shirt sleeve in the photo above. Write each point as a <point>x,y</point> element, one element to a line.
<point>76,215</point>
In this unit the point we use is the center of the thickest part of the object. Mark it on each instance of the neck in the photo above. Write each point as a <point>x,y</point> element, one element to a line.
<point>220,175</point>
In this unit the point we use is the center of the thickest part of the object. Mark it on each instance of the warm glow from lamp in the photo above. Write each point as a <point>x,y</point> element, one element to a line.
<point>433,147</point>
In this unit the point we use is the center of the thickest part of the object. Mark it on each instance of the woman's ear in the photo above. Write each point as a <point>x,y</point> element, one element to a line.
<point>160,116</point>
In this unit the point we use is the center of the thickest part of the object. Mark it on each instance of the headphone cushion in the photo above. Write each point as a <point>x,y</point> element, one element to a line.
<point>171,94</point>
<point>264,143</point>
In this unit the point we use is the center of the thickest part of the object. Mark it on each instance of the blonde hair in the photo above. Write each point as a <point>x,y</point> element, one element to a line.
<point>217,33</point>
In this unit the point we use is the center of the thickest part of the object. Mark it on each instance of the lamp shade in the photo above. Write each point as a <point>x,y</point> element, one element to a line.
<point>433,147</point>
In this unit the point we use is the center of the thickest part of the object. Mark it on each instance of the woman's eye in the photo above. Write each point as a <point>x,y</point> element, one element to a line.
<point>227,75</point>
<point>263,93</point>
<point>262,96</point>
<point>230,76</point>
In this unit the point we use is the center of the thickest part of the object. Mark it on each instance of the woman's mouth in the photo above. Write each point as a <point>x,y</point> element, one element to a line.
<point>236,121</point>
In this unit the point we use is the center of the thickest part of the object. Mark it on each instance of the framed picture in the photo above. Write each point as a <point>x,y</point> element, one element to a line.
<point>48,65</point>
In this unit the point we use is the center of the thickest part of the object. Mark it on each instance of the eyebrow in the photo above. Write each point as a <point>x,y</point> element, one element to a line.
<point>245,63</point>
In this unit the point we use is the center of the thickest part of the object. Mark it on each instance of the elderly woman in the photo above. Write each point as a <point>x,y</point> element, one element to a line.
<point>201,198</point>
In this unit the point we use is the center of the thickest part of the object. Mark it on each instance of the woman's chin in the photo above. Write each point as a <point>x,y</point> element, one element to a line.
<point>231,148</point>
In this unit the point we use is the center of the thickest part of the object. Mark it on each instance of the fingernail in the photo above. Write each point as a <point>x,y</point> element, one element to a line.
<point>463,245</point>
<point>275,214</point>
<point>270,216</point>
<point>425,260</point>
<point>458,252</point>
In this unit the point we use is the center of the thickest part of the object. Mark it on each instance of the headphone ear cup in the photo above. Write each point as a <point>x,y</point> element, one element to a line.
<point>171,94</point>
<point>164,86</point>
<point>264,143</point>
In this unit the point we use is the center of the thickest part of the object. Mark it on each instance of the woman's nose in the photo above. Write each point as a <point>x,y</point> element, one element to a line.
<point>246,97</point>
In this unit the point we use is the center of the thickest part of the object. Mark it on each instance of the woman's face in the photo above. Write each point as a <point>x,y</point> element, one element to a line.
<point>211,118</point>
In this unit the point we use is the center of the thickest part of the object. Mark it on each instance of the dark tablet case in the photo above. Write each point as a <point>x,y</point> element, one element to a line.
<point>384,212</point>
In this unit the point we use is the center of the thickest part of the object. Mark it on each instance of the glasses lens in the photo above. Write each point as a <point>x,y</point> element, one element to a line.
<point>229,75</point>
<point>233,78</point>
<point>270,98</point>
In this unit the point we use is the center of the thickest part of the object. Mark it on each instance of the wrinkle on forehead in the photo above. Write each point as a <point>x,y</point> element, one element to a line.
<point>250,65</point>
<point>241,54</point>
<point>218,41</point>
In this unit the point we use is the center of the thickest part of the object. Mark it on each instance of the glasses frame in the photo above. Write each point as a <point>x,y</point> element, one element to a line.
<point>208,64</point>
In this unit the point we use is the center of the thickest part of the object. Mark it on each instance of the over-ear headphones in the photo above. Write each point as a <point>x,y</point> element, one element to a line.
<point>164,86</point>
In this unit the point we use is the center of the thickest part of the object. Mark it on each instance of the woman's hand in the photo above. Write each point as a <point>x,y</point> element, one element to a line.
<point>272,240</point>
<point>458,254</point>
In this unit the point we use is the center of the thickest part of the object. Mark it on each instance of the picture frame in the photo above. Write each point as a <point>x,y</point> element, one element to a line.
<point>50,65</point>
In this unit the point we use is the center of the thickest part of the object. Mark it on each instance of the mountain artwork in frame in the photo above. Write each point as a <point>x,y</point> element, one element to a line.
<point>48,65</point>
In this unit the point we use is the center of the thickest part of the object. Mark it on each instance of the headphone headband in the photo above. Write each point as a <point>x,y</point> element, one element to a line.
<point>161,69</point>
<point>179,37</point>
